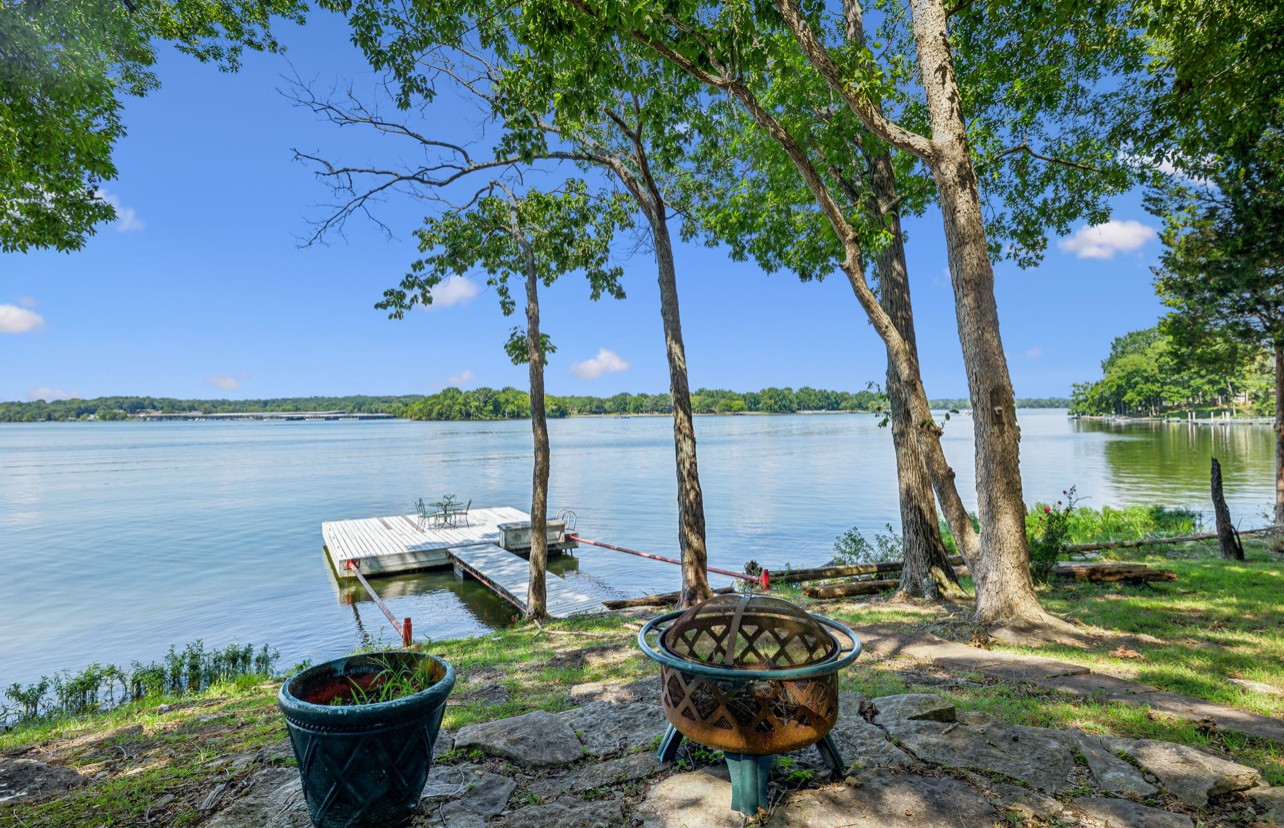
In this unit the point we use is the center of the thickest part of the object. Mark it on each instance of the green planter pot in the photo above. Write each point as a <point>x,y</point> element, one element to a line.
<point>363,765</point>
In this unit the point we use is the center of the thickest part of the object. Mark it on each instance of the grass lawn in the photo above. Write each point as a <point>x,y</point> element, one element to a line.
<point>1220,620</point>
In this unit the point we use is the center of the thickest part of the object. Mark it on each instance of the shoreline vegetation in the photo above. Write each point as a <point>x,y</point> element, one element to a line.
<point>454,404</point>
<point>1146,377</point>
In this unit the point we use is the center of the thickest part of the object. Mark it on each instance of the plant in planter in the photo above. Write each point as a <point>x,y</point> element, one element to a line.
<point>363,729</point>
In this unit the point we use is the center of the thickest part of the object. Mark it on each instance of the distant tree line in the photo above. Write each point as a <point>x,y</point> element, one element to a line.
<point>511,403</point>
<point>1146,375</point>
<point>121,408</point>
<point>1022,402</point>
<point>482,404</point>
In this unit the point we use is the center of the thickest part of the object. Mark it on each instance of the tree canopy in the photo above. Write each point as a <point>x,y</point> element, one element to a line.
<point>1145,374</point>
<point>65,68</point>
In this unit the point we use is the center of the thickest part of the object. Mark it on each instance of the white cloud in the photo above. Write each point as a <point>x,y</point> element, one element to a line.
<point>1103,241</point>
<point>48,394</point>
<point>606,362</point>
<point>466,376</point>
<point>1034,353</point>
<point>223,382</point>
<point>26,301</point>
<point>126,217</point>
<point>454,290</point>
<point>16,320</point>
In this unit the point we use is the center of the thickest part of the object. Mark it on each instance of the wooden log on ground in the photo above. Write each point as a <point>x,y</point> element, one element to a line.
<point>657,600</point>
<point>850,588</point>
<point>821,573</point>
<point>1132,573</point>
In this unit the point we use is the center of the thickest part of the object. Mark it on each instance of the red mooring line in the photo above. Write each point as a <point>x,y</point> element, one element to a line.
<point>763,580</point>
<point>403,629</point>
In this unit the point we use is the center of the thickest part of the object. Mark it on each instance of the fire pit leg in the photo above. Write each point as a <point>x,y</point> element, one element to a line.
<point>669,745</point>
<point>748,781</point>
<point>829,754</point>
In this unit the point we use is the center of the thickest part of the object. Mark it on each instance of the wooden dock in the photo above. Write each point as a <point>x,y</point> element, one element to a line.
<point>391,545</point>
<point>508,575</point>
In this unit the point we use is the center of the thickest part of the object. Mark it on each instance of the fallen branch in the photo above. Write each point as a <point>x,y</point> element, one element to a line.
<point>655,600</point>
<point>821,573</point>
<point>850,588</point>
<point>1132,573</point>
<point>1107,572</point>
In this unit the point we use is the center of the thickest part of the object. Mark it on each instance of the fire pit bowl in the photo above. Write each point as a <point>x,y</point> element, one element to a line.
<point>752,676</point>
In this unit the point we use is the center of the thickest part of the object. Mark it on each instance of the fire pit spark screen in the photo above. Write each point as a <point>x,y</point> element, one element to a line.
<point>752,676</point>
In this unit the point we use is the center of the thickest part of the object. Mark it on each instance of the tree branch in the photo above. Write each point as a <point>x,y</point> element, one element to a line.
<point>1023,147</point>
<point>869,113</point>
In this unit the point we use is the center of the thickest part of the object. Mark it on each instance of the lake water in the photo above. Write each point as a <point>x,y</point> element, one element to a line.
<point>119,539</point>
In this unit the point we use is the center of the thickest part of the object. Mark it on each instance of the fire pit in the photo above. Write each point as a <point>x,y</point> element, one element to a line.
<point>752,676</point>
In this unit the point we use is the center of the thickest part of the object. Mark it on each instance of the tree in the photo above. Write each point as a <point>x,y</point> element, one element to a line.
<point>623,119</point>
<point>1216,119</point>
<point>731,46</point>
<point>1222,275</point>
<point>64,67</point>
<point>535,237</point>
<point>755,55</point>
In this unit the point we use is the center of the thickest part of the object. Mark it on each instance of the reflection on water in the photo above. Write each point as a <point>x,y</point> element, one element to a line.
<point>1157,462</point>
<point>472,608</point>
<point>119,539</point>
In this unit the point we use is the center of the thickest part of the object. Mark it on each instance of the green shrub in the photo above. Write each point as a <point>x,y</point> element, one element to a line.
<point>97,687</point>
<point>851,547</point>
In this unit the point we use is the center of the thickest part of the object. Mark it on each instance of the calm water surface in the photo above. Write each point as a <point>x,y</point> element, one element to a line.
<point>119,539</point>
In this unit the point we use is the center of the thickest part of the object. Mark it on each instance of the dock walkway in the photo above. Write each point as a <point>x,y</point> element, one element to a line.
<point>388,545</point>
<point>508,575</point>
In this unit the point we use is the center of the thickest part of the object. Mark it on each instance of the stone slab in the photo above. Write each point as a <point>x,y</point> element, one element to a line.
<point>1025,802</point>
<point>596,775</point>
<point>862,745</point>
<point>1121,813</point>
<point>1039,757</point>
<point>1269,804</point>
<point>273,799</point>
<point>449,781</point>
<point>642,690</point>
<point>1011,667</point>
<point>568,812</point>
<point>484,796</point>
<point>30,779</point>
<point>1112,774</point>
<point>1224,716</point>
<point>698,799</point>
<point>1095,684</point>
<point>886,799</point>
<point>536,739</point>
<point>1191,775</point>
<point>913,706</point>
<point>607,728</point>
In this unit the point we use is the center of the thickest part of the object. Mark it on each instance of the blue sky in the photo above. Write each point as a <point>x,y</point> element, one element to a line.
<point>203,289</point>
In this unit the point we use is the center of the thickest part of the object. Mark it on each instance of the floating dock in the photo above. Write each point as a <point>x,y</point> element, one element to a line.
<point>391,545</point>
<point>508,575</point>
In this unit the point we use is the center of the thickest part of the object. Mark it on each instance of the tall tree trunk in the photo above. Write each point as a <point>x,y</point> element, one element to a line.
<point>1004,588</point>
<point>1279,432</point>
<point>695,557</point>
<point>915,409</point>
<point>537,591</point>
<point>927,572</point>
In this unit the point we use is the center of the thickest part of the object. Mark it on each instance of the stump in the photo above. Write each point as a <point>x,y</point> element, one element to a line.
<point>1227,536</point>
